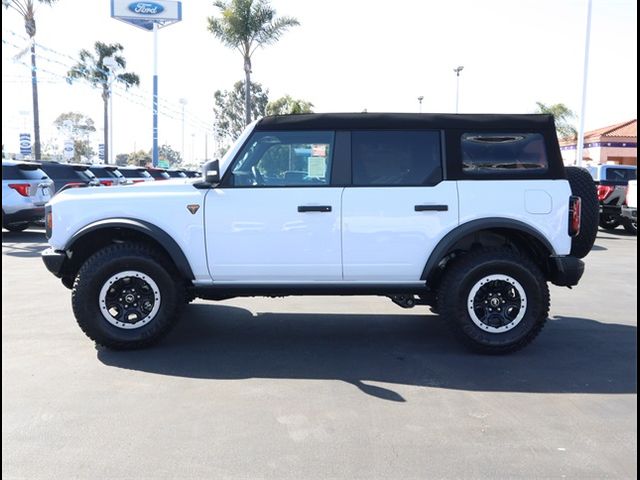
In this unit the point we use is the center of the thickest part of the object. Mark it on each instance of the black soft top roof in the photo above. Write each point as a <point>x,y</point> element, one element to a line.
<point>402,121</point>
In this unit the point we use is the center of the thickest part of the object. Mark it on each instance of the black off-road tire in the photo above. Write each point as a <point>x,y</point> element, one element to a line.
<point>110,261</point>
<point>583,186</point>
<point>469,270</point>
<point>631,226</point>
<point>609,222</point>
<point>17,227</point>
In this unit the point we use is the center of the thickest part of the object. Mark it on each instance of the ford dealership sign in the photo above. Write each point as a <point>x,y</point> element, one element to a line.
<point>146,8</point>
<point>147,14</point>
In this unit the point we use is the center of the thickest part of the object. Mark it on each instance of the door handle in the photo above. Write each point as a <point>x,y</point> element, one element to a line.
<point>314,208</point>
<point>431,208</point>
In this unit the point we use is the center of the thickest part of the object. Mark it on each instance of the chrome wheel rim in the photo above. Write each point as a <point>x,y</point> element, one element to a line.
<point>129,299</point>
<point>497,303</point>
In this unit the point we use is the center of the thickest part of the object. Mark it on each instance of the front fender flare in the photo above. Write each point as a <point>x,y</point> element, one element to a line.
<point>156,233</point>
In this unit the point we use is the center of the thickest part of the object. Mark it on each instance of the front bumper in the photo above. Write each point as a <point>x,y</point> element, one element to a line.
<point>54,261</point>
<point>630,212</point>
<point>567,271</point>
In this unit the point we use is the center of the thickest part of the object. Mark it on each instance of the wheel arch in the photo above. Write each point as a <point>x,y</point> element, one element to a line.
<point>517,233</point>
<point>103,232</point>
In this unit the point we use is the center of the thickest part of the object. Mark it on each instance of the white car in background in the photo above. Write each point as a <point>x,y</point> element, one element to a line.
<point>25,191</point>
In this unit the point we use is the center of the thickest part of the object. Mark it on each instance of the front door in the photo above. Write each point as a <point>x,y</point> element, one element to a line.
<point>276,217</point>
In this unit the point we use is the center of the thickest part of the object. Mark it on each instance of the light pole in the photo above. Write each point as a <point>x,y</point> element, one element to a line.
<point>420,98</point>
<point>111,64</point>
<point>457,70</point>
<point>183,102</point>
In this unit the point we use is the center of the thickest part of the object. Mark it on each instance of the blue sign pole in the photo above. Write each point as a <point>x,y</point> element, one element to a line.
<point>155,95</point>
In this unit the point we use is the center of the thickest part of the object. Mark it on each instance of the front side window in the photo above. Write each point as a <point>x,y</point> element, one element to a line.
<point>389,158</point>
<point>495,153</point>
<point>271,159</point>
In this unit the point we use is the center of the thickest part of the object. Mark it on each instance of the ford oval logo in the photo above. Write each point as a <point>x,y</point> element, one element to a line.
<point>146,8</point>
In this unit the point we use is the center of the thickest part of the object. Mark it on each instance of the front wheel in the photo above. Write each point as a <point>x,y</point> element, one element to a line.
<point>124,296</point>
<point>495,300</point>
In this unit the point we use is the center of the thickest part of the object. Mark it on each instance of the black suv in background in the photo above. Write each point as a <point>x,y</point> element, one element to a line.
<point>69,175</point>
<point>108,175</point>
<point>177,173</point>
<point>158,173</point>
<point>136,174</point>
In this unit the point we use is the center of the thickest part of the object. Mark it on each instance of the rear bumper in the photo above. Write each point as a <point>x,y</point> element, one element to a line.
<point>25,215</point>
<point>610,209</point>
<point>567,272</point>
<point>630,212</point>
<point>54,261</point>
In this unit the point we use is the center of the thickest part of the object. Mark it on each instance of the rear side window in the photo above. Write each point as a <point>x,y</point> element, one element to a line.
<point>495,153</point>
<point>621,174</point>
<point>389,158</point>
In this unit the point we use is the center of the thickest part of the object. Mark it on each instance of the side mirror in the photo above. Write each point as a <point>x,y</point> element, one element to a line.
<point>211,172</point>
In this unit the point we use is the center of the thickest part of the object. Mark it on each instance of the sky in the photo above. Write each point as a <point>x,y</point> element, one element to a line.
<point>346,56</point>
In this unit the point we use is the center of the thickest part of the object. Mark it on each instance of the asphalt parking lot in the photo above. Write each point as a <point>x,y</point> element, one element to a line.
<point>305,388</point>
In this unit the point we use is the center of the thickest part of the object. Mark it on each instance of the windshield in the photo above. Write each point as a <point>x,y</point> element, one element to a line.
<point>231,153</point>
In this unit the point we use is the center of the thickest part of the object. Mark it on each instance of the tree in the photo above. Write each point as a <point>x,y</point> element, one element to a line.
<point>246,25</point>
<point>289,106</point>
<point>77,127</point>
<point>563,116</point>
<point>168,154</point>
<point>93,69</point>
<point>26,9</point>
<point>122,159</point>
<point>229,109</point>
<point>139,158</point>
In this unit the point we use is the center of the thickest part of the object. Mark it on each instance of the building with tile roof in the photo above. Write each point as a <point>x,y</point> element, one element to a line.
<point>613,144</point>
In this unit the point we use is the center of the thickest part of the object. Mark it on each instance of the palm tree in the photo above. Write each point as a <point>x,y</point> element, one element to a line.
<point>563,117</point>
<point>26,9</point>
<point>246,25</point>
<point>93,69</point>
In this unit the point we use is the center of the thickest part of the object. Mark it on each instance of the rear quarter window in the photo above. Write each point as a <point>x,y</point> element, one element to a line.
<point>508,153</point>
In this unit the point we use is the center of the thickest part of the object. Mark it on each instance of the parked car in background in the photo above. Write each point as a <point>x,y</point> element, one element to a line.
<point>193,173</point>
<point>630,209</point>
<point>177,173</point>
<point>158,173</point>
<point>25,190</point>
<point>611,181</point>
<point>136,174</point>
<point>69,175</point>
<point>108,175</point>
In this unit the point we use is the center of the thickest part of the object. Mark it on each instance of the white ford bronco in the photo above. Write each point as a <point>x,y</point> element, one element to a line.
<point>472,215</point>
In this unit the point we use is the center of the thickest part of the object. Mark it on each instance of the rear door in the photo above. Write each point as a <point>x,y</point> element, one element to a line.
<point>397,208</point>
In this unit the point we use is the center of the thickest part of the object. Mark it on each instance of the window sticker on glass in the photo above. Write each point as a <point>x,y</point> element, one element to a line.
<point>317,166</point>
<point>319,150</point>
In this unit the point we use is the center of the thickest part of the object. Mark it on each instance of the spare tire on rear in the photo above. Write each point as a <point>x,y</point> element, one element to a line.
<point>583,186</point>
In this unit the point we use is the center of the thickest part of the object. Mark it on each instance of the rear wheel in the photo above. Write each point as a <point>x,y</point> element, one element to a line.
<point>495,300</point>
<point>17,227</point>
<point>631,226</point>
<point>124,297</point>
<point>609,222</point>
